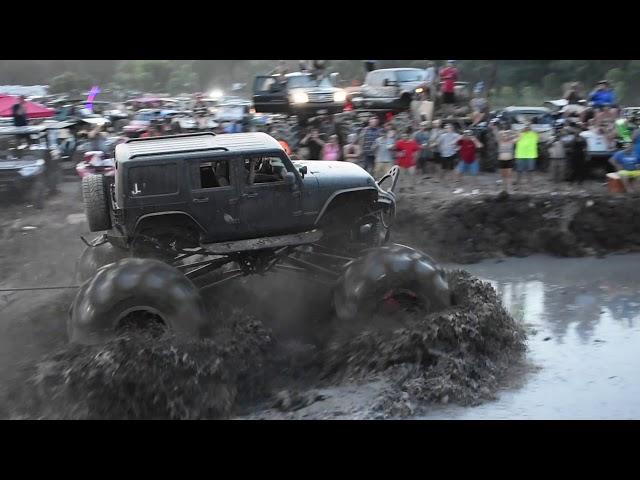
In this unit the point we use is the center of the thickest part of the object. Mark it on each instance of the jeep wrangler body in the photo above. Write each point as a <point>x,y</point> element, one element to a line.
<point>216,188</point>
<point>224,206</point>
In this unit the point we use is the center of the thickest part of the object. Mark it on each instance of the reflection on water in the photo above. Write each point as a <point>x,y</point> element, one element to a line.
<point>587,316</point>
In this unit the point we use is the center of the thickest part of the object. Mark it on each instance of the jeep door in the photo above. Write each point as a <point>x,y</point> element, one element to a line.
<point>269,95</point>
<point>268,204</point>
<point>214,196</point>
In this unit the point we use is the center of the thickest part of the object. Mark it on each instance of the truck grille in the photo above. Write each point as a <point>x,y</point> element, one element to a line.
<point>320,97</point>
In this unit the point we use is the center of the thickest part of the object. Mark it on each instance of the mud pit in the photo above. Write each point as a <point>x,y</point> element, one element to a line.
<point>457,355</point>
<point>277,357</point>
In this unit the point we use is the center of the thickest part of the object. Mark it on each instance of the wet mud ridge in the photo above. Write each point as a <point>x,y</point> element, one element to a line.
<point>250,370</point>
<point>470,229</point>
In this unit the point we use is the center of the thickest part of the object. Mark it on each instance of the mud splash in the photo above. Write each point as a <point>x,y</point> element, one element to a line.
<point>456,355</point>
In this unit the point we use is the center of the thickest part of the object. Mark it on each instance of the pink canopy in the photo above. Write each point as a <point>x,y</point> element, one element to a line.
<point>34,110</point>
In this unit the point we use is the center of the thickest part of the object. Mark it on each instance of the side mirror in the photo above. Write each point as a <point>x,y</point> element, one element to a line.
<point>303,171</point>
<point>390,83</point>
<point>290,178</point>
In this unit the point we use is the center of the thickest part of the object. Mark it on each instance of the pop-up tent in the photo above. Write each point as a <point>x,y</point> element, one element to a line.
<point>34,110</point>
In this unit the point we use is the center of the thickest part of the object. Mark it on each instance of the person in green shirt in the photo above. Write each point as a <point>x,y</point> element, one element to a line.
<point>623,129</point>
<point>526,153</point>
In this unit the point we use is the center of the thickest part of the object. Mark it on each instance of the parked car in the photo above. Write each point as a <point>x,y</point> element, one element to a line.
<point>390,89</point>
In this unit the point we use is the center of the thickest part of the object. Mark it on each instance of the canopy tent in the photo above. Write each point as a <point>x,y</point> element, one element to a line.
<point>34,110</point>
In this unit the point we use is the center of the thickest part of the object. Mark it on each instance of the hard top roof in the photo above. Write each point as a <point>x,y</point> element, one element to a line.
<point>195,142</point>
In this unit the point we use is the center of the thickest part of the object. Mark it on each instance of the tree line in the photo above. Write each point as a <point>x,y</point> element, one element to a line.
<point>511,81</point>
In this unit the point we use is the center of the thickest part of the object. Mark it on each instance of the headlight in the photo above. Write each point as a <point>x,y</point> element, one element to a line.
<point>34,169</point>
<point>299,97</point>
<point>340,96</point>
<point>419,90</point>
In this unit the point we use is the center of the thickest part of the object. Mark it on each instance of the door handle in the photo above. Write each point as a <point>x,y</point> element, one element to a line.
<point>249,195</point>
<point>230,220</point>
<point>200,199</point>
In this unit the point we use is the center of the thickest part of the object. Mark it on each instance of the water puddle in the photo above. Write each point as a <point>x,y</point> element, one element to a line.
<point>584,352</point>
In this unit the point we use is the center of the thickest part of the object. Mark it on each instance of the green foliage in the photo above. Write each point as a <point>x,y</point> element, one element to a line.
<point>70,82</point>
<point>545,77</point>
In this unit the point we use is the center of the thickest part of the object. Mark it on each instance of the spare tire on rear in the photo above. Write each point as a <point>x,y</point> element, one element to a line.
<point>136,290</point>
<point>96,204</point>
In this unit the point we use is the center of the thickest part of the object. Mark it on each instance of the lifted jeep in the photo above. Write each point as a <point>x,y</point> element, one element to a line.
<point>197,210</point>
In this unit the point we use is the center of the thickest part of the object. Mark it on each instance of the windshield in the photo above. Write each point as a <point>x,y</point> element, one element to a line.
<point>306,81</point>
<point>410,75</point>
<point>536,118</point>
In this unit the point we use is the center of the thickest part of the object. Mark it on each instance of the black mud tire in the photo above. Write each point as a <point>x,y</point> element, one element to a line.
<point>94,258</point>
<point>390,270</point>
<point>133,286</point>
<point>95,197</point>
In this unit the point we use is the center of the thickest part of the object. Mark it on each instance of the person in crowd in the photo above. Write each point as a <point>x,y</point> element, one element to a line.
<point>558,158</point>
<point>577,156</point>
<point>368,138</point>
<point>408,150</point>
<point>572,95</point>
<point>449,76</point>
<point>430,79</point>
<point>434,140</point>
<point>351,151</point>
<point>468,146</point>
<point>479,107</point>
<point>150,132</point>
<point>423,137</point>
<point>19,112</point>
<point>448,147</point>
<point>526,153</point>
<point>285,146</point>
<point>281,68</point>
<point>385,151</point>
<point>627,164</point>
<point>506,140</point>
<point>331,149</point>
<point>313,143</point>
<point>603,95</point>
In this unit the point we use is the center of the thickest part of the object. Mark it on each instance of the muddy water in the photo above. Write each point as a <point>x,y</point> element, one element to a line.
<point>584,350</point>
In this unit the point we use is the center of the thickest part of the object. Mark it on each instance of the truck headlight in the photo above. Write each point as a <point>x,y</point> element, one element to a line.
<point>34,169</point>
<point>340,96</point>
<point>299,97</point>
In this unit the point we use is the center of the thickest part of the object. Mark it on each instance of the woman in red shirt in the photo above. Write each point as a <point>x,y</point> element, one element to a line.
<point>407,149</point>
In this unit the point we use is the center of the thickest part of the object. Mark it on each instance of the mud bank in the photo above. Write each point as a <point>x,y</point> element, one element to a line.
<point>457,355</point>
<point>472,228</point>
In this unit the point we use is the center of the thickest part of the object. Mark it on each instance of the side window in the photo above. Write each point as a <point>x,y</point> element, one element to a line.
<point>374,79</point>
<point>263,170</point>
<point>265,84</point>
<point>153,180</point>
<point>210,174</point>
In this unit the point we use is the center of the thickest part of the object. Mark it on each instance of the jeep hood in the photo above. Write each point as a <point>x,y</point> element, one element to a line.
<point>337,175</point>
